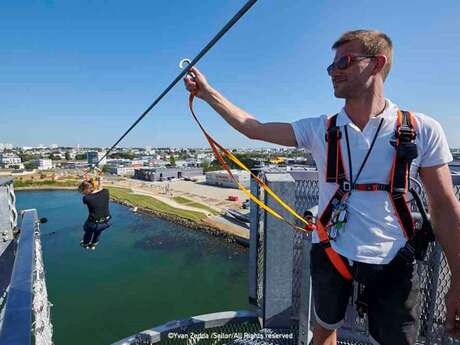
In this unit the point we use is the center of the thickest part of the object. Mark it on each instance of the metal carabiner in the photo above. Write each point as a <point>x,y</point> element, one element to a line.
<point>182,65</point>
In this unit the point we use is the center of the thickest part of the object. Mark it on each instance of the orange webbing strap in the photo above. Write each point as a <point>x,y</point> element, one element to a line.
<point>219,156</point>
<point>338,263</point>
<point>321,225</point>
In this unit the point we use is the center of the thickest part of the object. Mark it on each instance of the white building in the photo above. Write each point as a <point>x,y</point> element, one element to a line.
<point>43,164</point>
<point>4,146</point>
<point>221,178</point>
<point>74,165</point>
<point>95,156</point>
<point>72,154</point>
<point>121,171</point>
<point>58,154</point>
<point>10,160</point>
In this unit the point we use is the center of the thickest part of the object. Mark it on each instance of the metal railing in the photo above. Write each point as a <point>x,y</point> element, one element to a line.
<point>8,218</point>
<point>18,309</point>
<point>279,283</point>
<point>300,190</point>
<point>209,329</point>
<point>8,213</point>
<point>25,316</point>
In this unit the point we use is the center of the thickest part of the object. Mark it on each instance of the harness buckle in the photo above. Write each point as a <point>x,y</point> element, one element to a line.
<point>406,133</point>
<point>407,253</point>
<point>346,186</point>
<point>361,308</point>
<point>325,244</point>
<point>333,132</point>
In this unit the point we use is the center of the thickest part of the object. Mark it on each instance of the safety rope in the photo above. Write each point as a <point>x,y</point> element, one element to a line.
<point>226,153</point>
<point>216,38</point>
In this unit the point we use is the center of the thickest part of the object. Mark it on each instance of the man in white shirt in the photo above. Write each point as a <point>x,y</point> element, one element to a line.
<point>373,233</point>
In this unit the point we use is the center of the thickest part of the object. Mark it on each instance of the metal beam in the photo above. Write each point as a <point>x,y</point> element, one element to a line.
<point>16,327</point>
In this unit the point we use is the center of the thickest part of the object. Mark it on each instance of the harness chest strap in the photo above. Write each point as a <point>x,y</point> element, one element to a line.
<point>398,187</point>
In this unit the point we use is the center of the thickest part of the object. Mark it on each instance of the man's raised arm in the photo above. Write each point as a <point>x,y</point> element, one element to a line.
<point>273,132</point>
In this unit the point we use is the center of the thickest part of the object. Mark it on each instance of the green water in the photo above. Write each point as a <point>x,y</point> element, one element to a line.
<point>144,272</point>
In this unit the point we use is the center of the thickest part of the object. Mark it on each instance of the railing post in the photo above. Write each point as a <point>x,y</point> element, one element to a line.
<point>12,205</point>
<point>8,214</point>
<point>279,242</point>
<point>253,236</point>
<point>305,335</point>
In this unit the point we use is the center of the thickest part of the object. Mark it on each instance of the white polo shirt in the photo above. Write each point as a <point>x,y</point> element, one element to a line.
<point>372,233</point>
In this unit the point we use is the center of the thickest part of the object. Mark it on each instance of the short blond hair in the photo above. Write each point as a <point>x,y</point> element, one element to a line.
<point>373,43</point>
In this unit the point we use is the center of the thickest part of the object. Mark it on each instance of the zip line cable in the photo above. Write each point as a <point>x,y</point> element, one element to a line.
<point>216,38</point>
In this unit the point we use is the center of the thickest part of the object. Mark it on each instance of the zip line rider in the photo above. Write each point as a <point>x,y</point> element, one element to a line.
<point>363,155</point>
<point>96,199</point>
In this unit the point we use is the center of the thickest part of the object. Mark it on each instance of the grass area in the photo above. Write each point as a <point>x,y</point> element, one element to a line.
<point>187,202</point>
<point>52,183</point>
<point>148,202</point>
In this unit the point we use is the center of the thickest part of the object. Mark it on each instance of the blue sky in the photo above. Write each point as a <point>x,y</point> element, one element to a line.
<point>80,72</point>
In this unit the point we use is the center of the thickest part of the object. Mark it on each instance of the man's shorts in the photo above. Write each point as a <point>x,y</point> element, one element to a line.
<point>393,296</point>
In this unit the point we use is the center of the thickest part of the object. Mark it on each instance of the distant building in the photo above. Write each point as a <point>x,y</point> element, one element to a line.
<point>306,160</point>
<point>140,161</point>
<point>9,159</point>
<point>119,161</point>
<point>74,165</point>
<point>121,171</point>
<point>95,156</point>
<point>42,164</point>
<point>58,155</point>
<point>72,154</point>
<point>157,163</point>
<point>162,174</point>
<point>221,178</point>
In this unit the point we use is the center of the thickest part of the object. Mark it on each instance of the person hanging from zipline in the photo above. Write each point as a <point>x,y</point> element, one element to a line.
<point>364,229</point>
<point>96,199</point>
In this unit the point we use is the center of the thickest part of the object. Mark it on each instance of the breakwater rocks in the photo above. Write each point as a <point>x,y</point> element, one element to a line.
<point>212,230</point>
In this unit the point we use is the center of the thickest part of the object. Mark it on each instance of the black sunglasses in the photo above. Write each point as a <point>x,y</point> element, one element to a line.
<point>345,61</point>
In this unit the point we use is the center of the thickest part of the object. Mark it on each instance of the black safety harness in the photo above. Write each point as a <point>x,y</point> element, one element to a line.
<point>398,187</point>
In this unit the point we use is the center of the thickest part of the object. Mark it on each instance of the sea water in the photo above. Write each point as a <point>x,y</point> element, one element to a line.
<point>144,272</point>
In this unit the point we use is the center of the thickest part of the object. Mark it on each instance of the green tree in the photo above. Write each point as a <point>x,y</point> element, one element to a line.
<point>245,159</point>
<point>25,156</point>
<point>29,165</point>
<point>123,155</point>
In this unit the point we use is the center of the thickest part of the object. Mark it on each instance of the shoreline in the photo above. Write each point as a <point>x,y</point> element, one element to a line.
<point>32,188</point>
<point>204,226</point>
<point>187,223</point>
